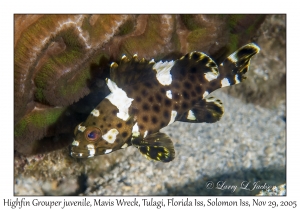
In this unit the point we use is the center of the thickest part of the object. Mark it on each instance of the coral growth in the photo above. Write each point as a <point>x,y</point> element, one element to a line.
<point>60,62</point>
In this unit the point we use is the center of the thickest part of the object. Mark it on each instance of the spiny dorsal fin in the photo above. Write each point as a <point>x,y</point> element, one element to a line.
<point>131,71</point>
<point>207,110</point>
<point>237,64</point>
<point>156,146</point>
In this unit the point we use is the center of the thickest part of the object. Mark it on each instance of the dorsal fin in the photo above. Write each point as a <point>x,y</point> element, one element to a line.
<point>195,63</point>
<point>132,71</point>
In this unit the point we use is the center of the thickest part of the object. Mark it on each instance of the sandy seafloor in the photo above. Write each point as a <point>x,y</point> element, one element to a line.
<point>247,145</point>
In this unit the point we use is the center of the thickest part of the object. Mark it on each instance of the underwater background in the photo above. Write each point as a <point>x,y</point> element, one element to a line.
<point>61,61</point>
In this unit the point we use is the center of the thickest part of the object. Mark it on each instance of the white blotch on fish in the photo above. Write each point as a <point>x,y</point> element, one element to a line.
<point>81,128</point>
<point>124,146</point>
<point>108,151</point>
<point>169,94</point>
<point>173,116</point>
<point>191,115</point>
<point>95,112</point>
<point>111,135</point>
<point>118,97</point>
<point>163,74</point>
<point>237,81</point>
<point>209,76</point>
<point>205,94</point>
<point>75,143</point>
<point>90,146</point>
<point>135,130</point>
<point>92,152</point>
<point>225,82</point>
<point>145,134</point>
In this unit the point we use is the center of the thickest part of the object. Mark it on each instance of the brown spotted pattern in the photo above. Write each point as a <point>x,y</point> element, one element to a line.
<point>106,121</point>
<point>152,102</point>
<point>187,88</point>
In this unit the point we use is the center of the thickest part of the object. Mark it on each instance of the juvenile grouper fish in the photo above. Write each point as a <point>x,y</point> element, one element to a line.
<point>147,96</point>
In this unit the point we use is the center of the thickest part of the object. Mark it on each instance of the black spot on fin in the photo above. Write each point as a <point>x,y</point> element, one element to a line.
<point>194,64</point>
<point>237,64</point>
<point>156,146</point>
<point>131,71</point>
<point>207,110</point>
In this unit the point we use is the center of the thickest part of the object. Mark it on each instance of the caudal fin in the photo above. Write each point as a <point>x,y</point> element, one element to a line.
<point>232,70</point>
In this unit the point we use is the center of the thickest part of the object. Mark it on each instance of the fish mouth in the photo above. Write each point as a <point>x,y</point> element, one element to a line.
<point>79,153</point>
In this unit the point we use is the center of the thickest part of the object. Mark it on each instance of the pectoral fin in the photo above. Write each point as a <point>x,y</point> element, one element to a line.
<point>156,146</point>
<point>207,110</point>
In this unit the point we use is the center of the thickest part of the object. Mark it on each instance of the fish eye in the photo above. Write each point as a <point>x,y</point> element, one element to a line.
<point>92,134</point>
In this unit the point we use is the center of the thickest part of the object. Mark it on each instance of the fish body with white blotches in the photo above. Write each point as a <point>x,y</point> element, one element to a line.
<point>147,96</point>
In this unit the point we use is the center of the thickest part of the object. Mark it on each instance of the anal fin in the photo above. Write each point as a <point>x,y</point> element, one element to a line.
<point>207,110</point>
<point>156,146</point>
